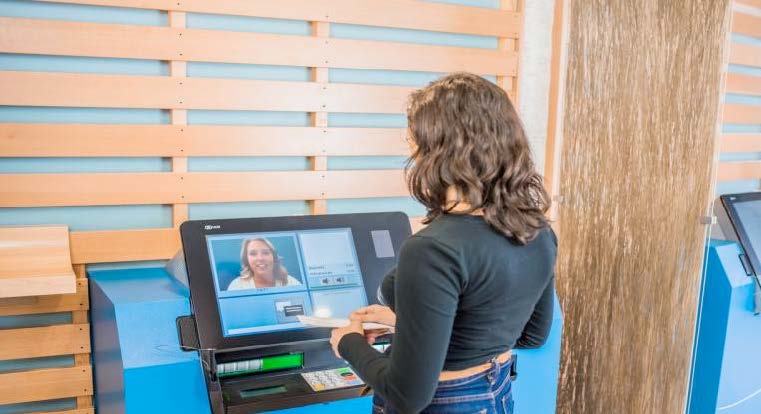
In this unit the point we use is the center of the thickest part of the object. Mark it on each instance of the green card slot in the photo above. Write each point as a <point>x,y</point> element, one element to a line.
<point>260,365</point>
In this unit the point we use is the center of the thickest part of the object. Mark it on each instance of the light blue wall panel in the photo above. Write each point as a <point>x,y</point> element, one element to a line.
<point>82,165</point>
<point>40,114</point>
<point>745,39</point>
<point>36,363</point>
<point>388,77</point>
<point>52,405</point>
<point>744,70</point>
<point>76,64</point>
<point>248,24</point>
<point>382,77</point>
<point>737,128</point>
<point>248,164</point>
<point>352,31</point>
<point>244,71</point>
<point>31,321</point>
<point>739,156</point>
<point>341,119</point>
<point>255,209</point>
<point>367,205</point>
<point>489,4</point>
<point>733,187</point>
<point>83,13</point>
<point>366,163</point>
<point>735,98</point>
<point>91,218</point>
<point>212,117</point>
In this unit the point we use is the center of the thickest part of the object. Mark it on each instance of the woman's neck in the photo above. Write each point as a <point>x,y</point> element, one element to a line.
<point>455,206</point>
<point>263,281</point>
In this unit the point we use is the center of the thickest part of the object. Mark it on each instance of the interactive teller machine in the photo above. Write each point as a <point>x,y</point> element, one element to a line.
<point>218,331</point>
<point>739,217</point>
<point>726,375</point>
<point>249,281</point>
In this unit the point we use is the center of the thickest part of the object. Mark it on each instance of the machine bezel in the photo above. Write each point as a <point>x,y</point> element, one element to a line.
<point>203,294</point>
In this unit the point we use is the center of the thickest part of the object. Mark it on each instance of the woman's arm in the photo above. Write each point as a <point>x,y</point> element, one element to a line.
<point>428,285</point>
<point>537,328</point>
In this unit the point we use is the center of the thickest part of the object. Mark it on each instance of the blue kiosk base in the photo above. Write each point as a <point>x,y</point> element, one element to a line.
<point>727,364</point>
<point>139,367</point>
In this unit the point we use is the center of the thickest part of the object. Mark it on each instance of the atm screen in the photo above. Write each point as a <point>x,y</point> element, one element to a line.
<point>749,215</point>
<point>264,281</point>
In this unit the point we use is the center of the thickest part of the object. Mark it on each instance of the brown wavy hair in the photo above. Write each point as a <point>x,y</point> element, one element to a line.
<point>469,137</point>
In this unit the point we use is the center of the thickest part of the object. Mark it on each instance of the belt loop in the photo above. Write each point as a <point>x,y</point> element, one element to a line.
<point>493,373</point>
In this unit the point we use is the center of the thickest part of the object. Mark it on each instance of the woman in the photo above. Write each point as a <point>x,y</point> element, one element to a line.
<point>478,280</point>
<point>260,267</point>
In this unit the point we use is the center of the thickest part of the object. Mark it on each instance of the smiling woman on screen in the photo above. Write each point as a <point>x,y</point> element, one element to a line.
<point>261,267</point>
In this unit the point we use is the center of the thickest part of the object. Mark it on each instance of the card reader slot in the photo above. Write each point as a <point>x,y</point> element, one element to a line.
<point>252,394</point>
<point>258,392</point>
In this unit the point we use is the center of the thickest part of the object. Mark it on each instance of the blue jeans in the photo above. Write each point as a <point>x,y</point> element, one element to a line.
<point>489,392</point>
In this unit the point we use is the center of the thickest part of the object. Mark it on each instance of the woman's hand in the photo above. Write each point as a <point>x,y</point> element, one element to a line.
<point>338,333</point>
<point>375,313</point>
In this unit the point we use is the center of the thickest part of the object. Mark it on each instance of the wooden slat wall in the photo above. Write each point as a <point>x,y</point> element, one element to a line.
<point>43,140</point>
<point>405,14</point>
<point>746,85</point>
<point>177,93</point>
<point>121,41</point>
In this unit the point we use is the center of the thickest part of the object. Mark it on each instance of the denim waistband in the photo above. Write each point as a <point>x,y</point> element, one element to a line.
<point>491,374</point>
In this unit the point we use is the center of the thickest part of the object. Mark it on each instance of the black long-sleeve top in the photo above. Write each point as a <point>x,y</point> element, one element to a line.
<point>462,294</point>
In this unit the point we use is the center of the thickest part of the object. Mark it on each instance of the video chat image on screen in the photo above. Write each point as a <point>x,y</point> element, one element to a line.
<point>264,281</point>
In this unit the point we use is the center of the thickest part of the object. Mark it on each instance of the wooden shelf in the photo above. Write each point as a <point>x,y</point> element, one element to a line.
<point>35,261</point>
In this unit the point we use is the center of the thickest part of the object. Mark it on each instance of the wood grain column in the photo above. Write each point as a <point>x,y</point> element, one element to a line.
<point>641,114</point>
<point>319,119</point>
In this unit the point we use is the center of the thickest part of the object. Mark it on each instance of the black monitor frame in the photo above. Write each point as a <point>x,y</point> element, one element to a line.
<point>728,201</point>
<point>200,277</point>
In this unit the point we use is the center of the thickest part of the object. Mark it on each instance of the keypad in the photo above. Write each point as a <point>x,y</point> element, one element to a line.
<point>331,379</point>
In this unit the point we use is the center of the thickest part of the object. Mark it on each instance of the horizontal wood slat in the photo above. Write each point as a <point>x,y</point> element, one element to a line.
<point>54,190</point>
<point>136,245</point>
<point>746,24</point>
<point>741,142</point>
<point>743,84</point>
<point>94,140</point>
<point>45,384</point>
<point>406,14</point>
<point>45,341</point>
<point>48,303</point>
<point>52,37</point>
<point>742,114</point>
<point>742,54</point>
<point>77,411</point>
<point>735,171</point>
<point>118,91</point>
<point>35,260</point>
<point>123,245</point>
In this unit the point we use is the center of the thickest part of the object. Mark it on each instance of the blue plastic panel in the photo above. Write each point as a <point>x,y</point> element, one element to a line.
<point>726,371</point>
